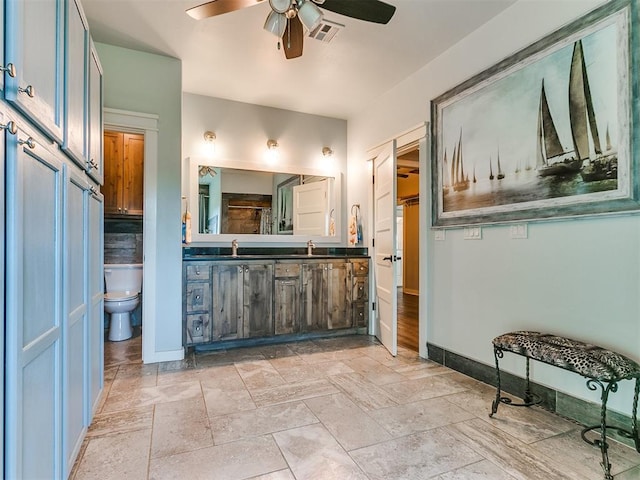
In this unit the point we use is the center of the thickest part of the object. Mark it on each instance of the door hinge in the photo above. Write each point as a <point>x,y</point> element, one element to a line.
<point>373,306</point>
<point>373,179</point>
<point>373,242</point>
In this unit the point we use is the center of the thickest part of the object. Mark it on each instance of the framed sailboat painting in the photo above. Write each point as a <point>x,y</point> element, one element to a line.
<point>549,132</point>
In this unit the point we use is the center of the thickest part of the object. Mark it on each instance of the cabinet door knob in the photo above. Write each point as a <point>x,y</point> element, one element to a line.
<point>29,90</point>
<point>197,297</point>
<point>126,210</point>
<point>197,270</point>
<point>29,142</point>
<point>10,127</point>
<point>119,209</point>
<point>93,164</point>
<point>10,69</point>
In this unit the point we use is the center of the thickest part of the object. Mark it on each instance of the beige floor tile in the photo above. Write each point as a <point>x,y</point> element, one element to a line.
<point>350,426</point>
<point>511,455</point>
<point>526,424</point>
<point>415,457</point>
<point>123,421</point>
<point>419,416</point>
<point>221,401</point>
<point>279,475</point>
<point>483,470</point>
<point>422,388</point>
<point>260,421</point>
<point>127,399</point>
<point>363,393</point>
<point>632,474</point>
<point>305,371</point>
<point>232,461</point>
<point>115,457</point>
<point>570,450</point>
<point>276,351</point>
<point>293,392</point>
<point>224,375</point>
<point>313,454</point>
<point>260,374</point>
<point>180,426</point>
<point>227,357</point>
<point>421,370</point>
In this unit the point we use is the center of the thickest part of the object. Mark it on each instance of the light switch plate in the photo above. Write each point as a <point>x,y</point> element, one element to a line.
<point>439,235</point>
<point>519,231</point>
<point>472,233</point>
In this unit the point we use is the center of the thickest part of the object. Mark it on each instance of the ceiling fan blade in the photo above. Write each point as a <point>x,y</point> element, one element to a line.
<point>218,7</point>
<point>292,38</point>
<point>368,10</point>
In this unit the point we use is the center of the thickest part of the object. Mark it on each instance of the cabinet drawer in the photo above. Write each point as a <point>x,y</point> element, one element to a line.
<point>360,289</point>
<point>198,297</point>
<point>198,329</point>
<point>360,314</point>
<point>198,272</point>
<point>360,267</point>
<point>287,269</point>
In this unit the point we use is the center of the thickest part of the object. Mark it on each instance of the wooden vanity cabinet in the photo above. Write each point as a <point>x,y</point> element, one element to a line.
<point>235,299</point>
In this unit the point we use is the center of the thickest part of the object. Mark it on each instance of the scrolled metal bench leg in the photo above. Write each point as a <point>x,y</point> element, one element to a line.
<point>593,384</point>
<point>498,354</point>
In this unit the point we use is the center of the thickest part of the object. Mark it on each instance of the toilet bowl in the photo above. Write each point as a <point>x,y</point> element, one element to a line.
<point>123,284</point>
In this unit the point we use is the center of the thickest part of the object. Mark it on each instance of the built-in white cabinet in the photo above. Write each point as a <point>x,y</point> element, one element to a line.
<point>95,167</point>
<point>76,61</point>
<point>34,308</point>
<point>34,54</point>
<point>51,120</point>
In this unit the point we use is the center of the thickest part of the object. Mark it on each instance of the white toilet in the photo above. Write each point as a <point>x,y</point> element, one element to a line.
<point>123,283</point>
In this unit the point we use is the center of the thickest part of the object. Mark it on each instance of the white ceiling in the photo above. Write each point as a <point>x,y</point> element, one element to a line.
<point>231,56</point>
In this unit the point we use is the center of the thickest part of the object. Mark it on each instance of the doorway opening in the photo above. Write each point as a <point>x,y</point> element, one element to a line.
<point>408,236</point>
<point>123,191</point>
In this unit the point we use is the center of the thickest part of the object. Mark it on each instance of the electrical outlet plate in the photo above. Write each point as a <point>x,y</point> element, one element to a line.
<point>519,231</point>
<point>472,233</point>
<point>438,235</point>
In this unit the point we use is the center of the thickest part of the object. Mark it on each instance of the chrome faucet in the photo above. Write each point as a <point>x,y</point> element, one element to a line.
<point>310,247</point>
<point>234,248</point>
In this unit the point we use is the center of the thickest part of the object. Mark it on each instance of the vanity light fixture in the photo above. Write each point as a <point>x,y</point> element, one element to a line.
<point>271,155</point>
<point>210,143</point>
<point>327,152</point>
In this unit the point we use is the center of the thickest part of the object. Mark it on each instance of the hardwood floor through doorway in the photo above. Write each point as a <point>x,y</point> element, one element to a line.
<point>408,320</point>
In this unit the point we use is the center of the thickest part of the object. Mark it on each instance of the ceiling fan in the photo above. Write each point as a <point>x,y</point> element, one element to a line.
<point>289,18</point>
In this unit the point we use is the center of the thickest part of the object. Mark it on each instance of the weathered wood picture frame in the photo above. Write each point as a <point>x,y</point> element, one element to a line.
<point>550,132</point>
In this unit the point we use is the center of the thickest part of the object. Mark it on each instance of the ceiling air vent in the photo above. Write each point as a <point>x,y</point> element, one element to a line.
<point>326,30</point>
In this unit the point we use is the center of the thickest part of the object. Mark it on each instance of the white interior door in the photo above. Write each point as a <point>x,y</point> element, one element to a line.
<point>311,208</point>
<point>384,194</point>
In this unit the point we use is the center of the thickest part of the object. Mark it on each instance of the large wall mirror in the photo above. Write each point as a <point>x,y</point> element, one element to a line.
<point>254,205</point>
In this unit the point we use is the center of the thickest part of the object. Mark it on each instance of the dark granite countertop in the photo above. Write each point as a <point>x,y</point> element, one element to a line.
<point>272,253</point>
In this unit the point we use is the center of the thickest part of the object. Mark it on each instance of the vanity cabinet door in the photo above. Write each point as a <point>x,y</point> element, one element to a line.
<point>227,301</point>
<point>339,295</point>
<point>123,173</point>
<point>287,298</point>
<point>314,297</point>
<point>258,300</point>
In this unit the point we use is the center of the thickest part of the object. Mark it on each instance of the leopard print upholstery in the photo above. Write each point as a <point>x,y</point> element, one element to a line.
<point>588,360</point>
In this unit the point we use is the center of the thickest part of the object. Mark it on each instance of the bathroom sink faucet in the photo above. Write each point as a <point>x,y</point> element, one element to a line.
<point>234,248</point>
<point>310,247</point>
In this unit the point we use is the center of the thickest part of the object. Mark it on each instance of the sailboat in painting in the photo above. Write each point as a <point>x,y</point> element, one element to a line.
<point>552,158</point>
<point>447,178</point>
<point>500,172</point>
<point>459,180</point>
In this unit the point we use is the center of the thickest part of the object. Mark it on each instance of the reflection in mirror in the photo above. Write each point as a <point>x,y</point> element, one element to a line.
<point>233,201</point>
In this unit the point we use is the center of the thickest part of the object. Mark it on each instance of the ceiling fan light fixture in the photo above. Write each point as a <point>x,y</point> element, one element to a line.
<point>280,6</point>
<point>309,14</point>
<point>276,23</point>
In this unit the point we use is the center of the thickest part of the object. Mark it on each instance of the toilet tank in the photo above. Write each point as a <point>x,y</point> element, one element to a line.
<point>123,277</point>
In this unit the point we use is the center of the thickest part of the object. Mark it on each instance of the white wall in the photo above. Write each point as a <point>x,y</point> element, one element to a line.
<point>146,83</point>
<point>242,131</point>
<point>579,278</point>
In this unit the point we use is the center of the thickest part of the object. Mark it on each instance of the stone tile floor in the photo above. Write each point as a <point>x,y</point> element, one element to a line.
<point>326,409</point>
